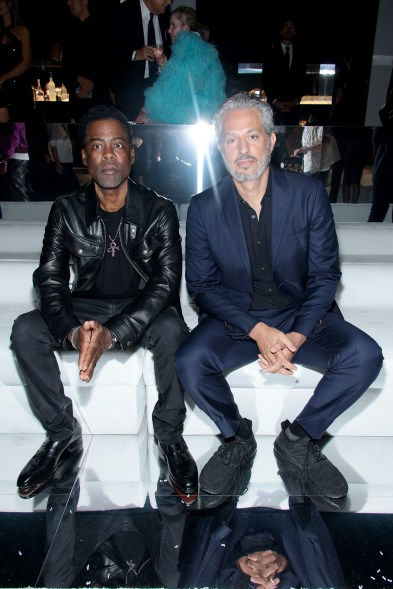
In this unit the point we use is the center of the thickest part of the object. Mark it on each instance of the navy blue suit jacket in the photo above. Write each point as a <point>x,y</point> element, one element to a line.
<point>304,247</point>
<point>300,534</point>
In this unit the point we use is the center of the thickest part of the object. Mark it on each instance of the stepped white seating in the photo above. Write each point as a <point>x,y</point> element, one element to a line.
<point>38,211</point>
<point>123,390</point>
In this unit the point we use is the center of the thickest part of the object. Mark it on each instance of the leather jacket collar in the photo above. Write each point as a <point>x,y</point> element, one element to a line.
<point>133,212</point>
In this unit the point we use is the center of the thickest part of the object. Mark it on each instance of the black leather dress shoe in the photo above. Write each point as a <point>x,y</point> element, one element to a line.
<point>182,469</point>
<point>39,471</point>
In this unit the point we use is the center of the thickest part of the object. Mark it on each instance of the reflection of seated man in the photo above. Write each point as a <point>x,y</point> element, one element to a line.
<point>96,548</point>
<point>264,547</point>
<point>59,565</point>
<point>116,548</point>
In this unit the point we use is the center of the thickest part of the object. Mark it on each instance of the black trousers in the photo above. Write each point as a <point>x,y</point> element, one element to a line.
<point>34,346</point>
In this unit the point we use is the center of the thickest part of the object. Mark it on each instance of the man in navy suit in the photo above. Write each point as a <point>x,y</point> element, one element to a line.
<point>262,265</point>
<point>133,53</point>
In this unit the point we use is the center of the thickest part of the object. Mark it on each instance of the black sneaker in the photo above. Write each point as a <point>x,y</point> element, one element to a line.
<point>304,469</point>
<point>228,471</point>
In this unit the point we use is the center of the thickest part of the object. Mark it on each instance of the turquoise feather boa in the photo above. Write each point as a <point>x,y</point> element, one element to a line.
<point>190,86</point>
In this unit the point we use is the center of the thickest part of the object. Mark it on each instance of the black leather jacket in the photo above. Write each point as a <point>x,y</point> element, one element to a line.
<point>150,239</point>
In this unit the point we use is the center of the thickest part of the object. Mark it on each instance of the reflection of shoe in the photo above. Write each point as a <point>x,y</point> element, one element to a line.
<point>40,469</point>
<point>304,469</point>
<point>320,502</point>
<point>182,469</point>
<point>228,471</point>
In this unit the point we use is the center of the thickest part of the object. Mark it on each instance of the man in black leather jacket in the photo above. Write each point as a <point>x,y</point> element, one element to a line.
<point>124,244</point>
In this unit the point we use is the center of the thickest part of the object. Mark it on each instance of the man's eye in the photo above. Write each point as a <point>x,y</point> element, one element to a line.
<point>118,145</point>
<point>96,146</point>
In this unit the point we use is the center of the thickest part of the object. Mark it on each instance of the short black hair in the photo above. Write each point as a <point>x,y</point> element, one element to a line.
<point>98,113</point>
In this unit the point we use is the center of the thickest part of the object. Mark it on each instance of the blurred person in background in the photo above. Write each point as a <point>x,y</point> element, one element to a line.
<point>133,54</point>
<point>14,162</point>
<point>192,82</point>
<point>15,63</point>
<point>284,75</point>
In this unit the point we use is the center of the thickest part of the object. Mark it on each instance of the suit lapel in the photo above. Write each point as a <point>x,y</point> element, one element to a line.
<point>280,209</point>
<point>230,209</point>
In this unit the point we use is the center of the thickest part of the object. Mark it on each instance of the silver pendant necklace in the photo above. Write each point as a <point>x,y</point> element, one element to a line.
<point>112,243</point>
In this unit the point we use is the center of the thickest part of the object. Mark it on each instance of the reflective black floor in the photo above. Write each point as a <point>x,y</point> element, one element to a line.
<point>165,543</point>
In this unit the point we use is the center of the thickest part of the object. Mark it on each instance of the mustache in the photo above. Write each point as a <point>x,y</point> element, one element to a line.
<point>245,156</point>
<point>111,165</point>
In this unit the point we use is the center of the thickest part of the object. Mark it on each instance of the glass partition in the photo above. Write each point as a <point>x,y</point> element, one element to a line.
<point>181,160</point>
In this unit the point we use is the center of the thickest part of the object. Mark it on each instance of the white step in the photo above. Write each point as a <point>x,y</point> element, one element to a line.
<point>358,458</point>
<point>113,471</point>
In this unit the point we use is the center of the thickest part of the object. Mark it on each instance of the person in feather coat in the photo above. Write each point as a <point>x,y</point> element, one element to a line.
<point>192,81</point>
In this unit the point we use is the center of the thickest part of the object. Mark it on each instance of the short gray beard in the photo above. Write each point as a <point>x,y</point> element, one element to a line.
<point>244,176</point>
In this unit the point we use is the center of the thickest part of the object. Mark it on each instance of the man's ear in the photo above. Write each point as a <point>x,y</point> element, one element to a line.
<point>83,157</point>
<point>273,138</point>
<point>132,154</point>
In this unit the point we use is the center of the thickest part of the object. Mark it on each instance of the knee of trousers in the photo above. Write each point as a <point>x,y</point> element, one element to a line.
<point>373,359</point>
<point>194,363</point>
<point>368,357</point>
<point>20,329</point>
<point>169,331</point>
<point>26,328</point>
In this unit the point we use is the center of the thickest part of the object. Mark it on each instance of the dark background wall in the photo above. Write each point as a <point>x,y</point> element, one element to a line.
<point>46,17</point>
<point>239,31</point>
<point>324,28</point>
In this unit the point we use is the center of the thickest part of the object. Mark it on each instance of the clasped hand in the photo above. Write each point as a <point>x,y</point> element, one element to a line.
<point>262,567</point>
<point>91,339</point>
<point>276,348</point>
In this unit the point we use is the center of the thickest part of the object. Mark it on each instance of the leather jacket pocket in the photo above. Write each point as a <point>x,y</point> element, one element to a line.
<point>81,247</point>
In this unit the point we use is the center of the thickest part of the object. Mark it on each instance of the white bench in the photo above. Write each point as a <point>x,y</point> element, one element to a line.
<point>120,398</point>
<point>38,211</point>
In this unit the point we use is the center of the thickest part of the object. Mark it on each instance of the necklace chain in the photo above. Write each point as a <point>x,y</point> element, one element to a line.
<point>112,242</point>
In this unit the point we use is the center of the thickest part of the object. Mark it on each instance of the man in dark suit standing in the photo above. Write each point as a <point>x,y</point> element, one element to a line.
<point>262,265</point>
<point>284,76</point>
<point>134,53</point>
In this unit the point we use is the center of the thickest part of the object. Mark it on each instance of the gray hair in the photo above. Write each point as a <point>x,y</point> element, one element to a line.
<point>239,102</point>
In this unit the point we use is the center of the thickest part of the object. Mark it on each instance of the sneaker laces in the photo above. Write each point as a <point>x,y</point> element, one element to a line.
<point>225,451</point>
<point>316,452</point>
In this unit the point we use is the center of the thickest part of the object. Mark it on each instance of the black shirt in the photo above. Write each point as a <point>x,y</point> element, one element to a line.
<point>116,278</point>
<point>258,234</point>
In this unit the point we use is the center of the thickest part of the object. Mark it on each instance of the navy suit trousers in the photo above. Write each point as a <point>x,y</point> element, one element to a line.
<point>348,359</point>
